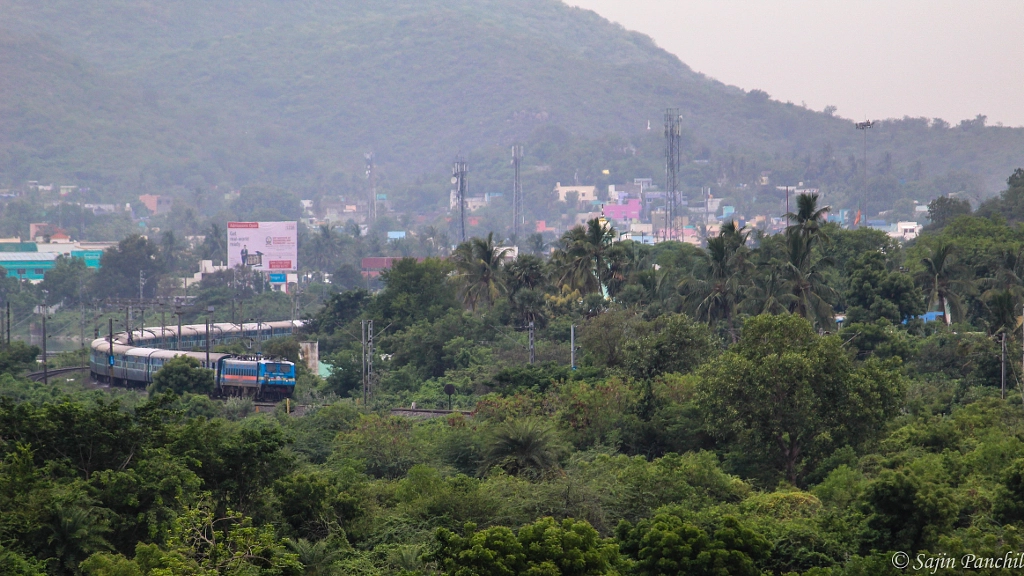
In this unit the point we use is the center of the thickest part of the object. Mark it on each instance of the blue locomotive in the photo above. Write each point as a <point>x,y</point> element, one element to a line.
<point>133,361</point>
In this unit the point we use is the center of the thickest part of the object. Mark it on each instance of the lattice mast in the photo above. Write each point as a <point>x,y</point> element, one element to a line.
<point>673,138</point>
<point>459,170</point>
<point>518,218</point>
<point>371,176</point>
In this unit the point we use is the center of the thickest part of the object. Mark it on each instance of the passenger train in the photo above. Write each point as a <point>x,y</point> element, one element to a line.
<point>131,360</point>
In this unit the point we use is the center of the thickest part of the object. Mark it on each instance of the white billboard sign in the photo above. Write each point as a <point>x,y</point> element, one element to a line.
<point>264,246</point>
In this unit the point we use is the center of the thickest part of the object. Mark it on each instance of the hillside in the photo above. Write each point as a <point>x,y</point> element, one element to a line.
<point>294,93</point>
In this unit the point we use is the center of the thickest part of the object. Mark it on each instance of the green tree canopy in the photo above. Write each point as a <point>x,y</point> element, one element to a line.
<point>665,546</point>
<point>182,374</point>
<point>874,292</point>
<point>414,291</point>
<point>120,266</point>
<point>548,547</point>
<point>793,396</point>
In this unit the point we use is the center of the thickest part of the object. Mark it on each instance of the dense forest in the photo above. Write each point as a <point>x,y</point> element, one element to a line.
<point>126,98</point>
<point>719,420</point>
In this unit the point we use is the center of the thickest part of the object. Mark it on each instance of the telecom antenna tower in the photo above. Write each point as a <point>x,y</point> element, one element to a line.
<point>371,175</point>
<point>673,137</point>
<point>518,218</point>
<point>459,169</point>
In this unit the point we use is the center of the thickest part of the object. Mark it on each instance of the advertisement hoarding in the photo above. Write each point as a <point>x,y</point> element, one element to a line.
<point>263,246</point>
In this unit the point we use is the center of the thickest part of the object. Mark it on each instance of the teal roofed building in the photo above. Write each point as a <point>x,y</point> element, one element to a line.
<point>32,266</point>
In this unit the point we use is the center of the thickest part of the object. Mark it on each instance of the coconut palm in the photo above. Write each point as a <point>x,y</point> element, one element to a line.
<point>1002,307</point>
<point>581,261</point>
<point>806,227</point>
<point>214,245</point>
<point>523,447</point>
<point>768,292</point>
<point>324,248</point>
<point>811,296</point>
<point>715,289</point>
<point>478,264</point>
<point>435,241</point>
<point>808,219</point>
<point>944,281</point>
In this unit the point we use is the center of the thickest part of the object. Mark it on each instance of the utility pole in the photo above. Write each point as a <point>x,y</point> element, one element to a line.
<point>459,170</point>
<point>572,346</point>
<point>673,137</point>
<point>110,351</point>
<point>128,324</point>
<point>533,348</point>
<point>142,283</point>
<point>209,325</point>
<point>787,207</point>
<point>46,379</point>
<point>1002,367</point>
<point>518,218</point>
<point>177,345</point>
<point>8,323</point>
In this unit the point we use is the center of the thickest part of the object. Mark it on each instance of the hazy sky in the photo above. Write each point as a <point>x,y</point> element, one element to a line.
<point>872,59</point>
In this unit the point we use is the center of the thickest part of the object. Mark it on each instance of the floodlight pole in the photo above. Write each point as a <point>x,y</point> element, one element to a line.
<point>863,127</point>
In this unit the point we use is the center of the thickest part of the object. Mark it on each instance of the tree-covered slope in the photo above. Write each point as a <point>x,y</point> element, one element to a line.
<point>295,92</point>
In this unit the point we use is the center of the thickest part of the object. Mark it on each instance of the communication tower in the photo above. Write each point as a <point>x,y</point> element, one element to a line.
<point>371,175</point>
<point>459,169</point>
<point>673,138</point>
<point>518,218</point>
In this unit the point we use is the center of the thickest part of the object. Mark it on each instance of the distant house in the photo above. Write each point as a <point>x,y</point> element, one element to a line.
<point>583,193</point>
<point>626,212</point>
<point>474,203</point>
<point>905,230</point>
<point>156,204</point>
<point>373,266</point>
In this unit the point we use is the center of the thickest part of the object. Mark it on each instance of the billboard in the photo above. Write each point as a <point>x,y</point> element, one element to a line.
<point>263,246</point>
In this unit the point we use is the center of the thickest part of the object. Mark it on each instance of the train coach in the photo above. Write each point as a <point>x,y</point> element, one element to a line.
<point>132,359</point>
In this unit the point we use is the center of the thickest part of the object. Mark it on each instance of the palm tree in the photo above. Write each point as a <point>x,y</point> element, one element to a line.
<point>769,292</point>
<point>581,260</point>
<point>75,533</point>
<point>805,227</point>
<point>714,291</point>
<point>478,264</point>
<point>434,240</point>
<point>324,248</point>
<point>214,244</point>
<point>943,279</point>
<point>535,244</point>
<point>317,558</point>
<point>1002,306</point>
<point>526,272</point>
<point>522,447</point>
<point>810,293</point>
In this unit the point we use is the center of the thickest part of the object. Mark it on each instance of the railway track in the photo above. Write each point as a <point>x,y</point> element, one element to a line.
<point>38,376</point>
